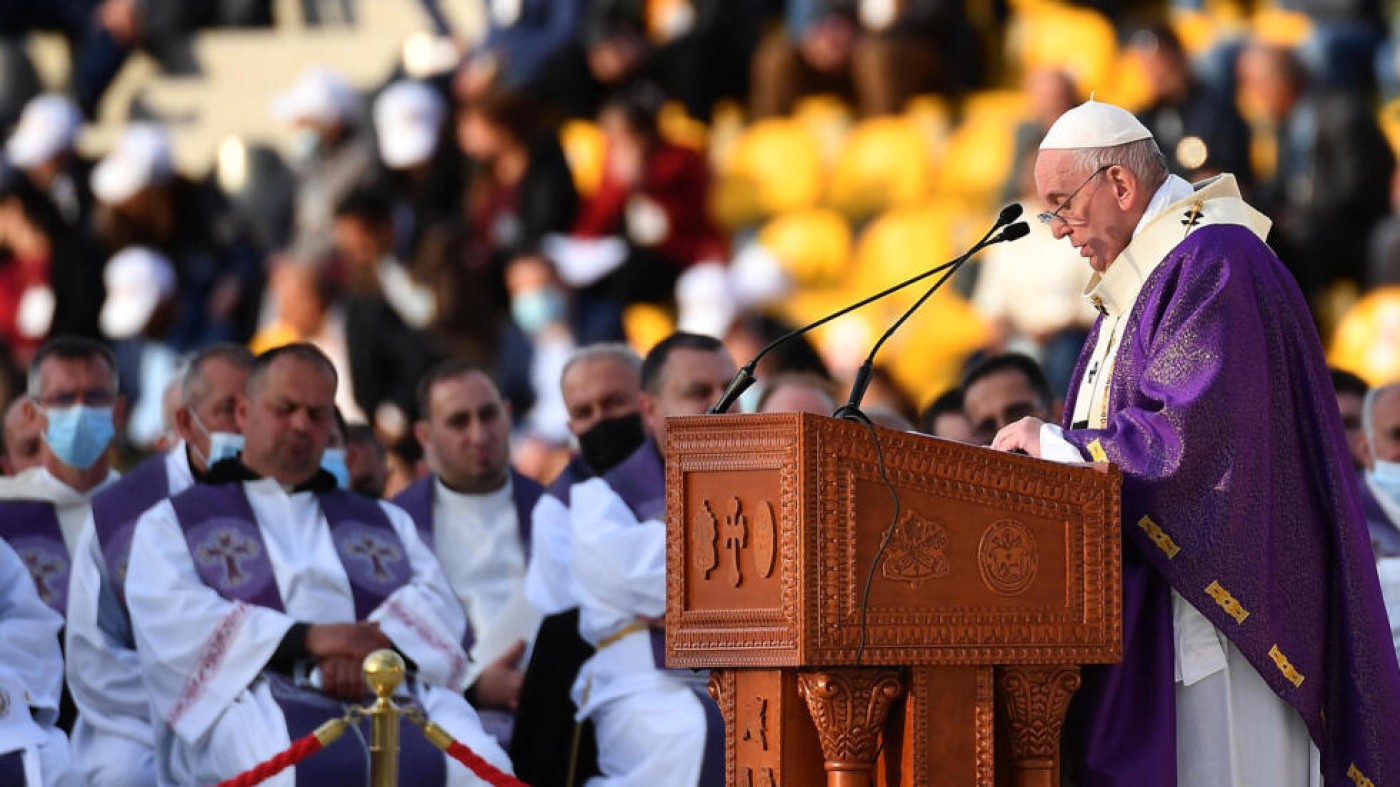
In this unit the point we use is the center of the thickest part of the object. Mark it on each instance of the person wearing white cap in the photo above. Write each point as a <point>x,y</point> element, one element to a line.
<point>426,177</point>
<point>331,157</point>
<point>140,160</point>
<point>137,315</point>
<point>408,122</point>
<point>144,201</point>
<point>1256,648</point>
<point>42,147</point>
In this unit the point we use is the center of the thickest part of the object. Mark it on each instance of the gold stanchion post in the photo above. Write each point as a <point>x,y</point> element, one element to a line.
<point>384,671</point>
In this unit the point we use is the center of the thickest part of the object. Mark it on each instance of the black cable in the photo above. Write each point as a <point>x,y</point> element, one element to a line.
<point>889,533</point>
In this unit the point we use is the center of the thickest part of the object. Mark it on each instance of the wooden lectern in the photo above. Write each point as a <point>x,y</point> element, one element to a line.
<point>999,577</point>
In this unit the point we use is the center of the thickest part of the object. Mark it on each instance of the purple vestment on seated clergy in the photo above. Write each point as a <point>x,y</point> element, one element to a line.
<point>417,500</point>
<point>230,556</point>
<point>31,529</point>
<point>115,510</point>
<point>1238,491</point>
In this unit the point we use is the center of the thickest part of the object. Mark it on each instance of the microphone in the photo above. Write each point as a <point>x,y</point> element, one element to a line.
<point>744,378</point>
<point>851,409</point>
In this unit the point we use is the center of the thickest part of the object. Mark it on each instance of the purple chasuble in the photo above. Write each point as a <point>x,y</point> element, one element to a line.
<point>31,529</point>
<point>229,553</point>
<point>1238,490</point>
<point>115,510</point>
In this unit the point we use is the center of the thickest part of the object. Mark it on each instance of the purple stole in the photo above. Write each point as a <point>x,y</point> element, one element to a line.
<point>114,513</point>
<point>231,557</point>
<point>229,553</point>
<point>575,472</point>
<point>640,480</point>
<point>31,529</point>
<point>417,500</point>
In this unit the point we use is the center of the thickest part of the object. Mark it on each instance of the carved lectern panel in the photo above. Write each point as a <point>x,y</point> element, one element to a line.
<point>779,522</point>
<point>769,739</point>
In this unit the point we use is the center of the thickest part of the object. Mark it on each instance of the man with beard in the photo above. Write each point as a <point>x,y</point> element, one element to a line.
<point>474,511</point>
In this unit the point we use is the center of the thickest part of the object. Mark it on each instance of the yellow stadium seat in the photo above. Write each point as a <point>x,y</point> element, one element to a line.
<point>679,128</point>
<point>885,163</point>
<point>774,166</point>
<point>1390,124</point>
<point>645,325</point>
<point>927,354</point>
<point>813,245</point>
<point>934,119</point>
<point>901,243</point>
<point>585,148</point>
<point>1367,340</point>
<point>978,159</point>
<point>828,119</point>
<point>1078,40</point>
<point>1281,28</point>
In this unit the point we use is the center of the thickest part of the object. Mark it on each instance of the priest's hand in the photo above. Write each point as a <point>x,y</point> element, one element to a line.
<point>351,640</point>
<point>499,684</point>
<point>1022,436</point>
<point>343,677</point>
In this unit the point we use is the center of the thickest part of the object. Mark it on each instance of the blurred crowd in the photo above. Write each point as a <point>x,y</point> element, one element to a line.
<point>613,170</point>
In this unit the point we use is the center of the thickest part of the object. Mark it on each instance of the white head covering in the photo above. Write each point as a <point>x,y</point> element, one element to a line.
<point>320,94</point>
<point>138,280</point>
<point>140,159</point>
<point>48,126</point>
<point>407,120</point>
<point>1094,124</point>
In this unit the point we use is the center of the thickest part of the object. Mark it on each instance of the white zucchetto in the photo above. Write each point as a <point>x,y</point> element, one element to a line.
<point>1094,124</point>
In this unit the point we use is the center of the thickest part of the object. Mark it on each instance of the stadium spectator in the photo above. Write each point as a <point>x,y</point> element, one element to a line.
<point>330,154</point>
<point>144,202</point>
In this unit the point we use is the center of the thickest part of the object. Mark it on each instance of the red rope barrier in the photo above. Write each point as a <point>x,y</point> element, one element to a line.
<point>303,748</point>
<point>482,768</point>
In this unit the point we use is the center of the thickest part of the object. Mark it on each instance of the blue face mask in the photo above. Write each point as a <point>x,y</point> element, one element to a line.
<point>536,309</point>
<point>222,445</point>
<point>333,462</point>
<point>79,435</point>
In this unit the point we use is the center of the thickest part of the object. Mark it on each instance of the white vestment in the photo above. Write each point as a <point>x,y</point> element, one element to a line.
<point>549,579</point>
<point>31,678</point>
<point>203,655</point>
<point>1231,728</point>
<point>113,743</point>
<point>650,725</point>
<point>477,541</point>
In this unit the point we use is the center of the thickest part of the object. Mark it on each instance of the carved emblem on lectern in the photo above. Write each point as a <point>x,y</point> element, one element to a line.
<point>765,539</point>
<point>916,551</point>
<point>704,532</point>
<point>1008,556</point>
<point>736,535</point>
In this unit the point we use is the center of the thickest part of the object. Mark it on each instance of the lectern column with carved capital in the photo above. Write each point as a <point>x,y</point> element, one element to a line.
<point>1000,574</point>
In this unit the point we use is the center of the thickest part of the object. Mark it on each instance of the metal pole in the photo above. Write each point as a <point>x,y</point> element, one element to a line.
<point>384,671</point>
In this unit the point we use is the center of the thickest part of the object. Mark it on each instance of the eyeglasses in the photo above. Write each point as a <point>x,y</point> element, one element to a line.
<point>1052,216</point>
<point>92,397</point>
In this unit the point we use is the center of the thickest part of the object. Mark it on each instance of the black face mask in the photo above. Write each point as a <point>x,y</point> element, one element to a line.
<point>610,441</point>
